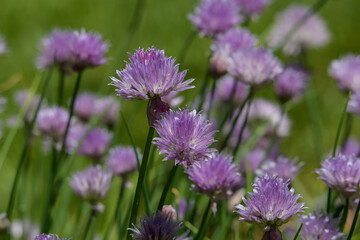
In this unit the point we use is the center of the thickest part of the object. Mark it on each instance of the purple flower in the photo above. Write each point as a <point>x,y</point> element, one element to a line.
<point>122,160</point>
<point>252,7</point>
<point>291,83</point>
<point>48,237</point>
<point>271,203</point>
<point>224,89</point>
<point>351,146</point>
<point>184,136</point>
<point>172,99</point>
<point>215,177</point>
<point>108,109</point>
<point>92,184</point>
<point>76,135</point>
<point>254,158</point>
<point>95,144</point>
<point>215,16</point>
<point>149,74</point>
<point>341,173</point>
<point>320,227</point>
<point>313,33</point>
<point>346,72</point>
<point>55,49</point>
<point>87,50</point>
<point>52,121</point>
<point>84,106</point>
<point>157,226</point>
<point>283,167</point>
<point>3,47</point>
<point>24,98</point>
<point>254,66</point>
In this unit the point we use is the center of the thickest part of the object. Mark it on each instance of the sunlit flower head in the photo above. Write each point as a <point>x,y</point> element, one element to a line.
<point>346,72</point>
<point>122,160</point>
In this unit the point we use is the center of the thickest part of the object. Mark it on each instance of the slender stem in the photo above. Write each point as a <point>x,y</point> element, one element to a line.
<point>201,232</point>
<point>347,130</point>
<point>140,182</point>
<point>89,223</point>
<point>352,229</point>
<point>61,87</point>
<point>344,215</point>
<point>46,223</point>
<point>251,94</point>
<point>117,208</point>
<point>328,201</point>
<point>167,186</point>
<point>204,84</point>
<point>186,46</point>
<point>25,148</point>
<point>298,232</point>
<point>212,94</point>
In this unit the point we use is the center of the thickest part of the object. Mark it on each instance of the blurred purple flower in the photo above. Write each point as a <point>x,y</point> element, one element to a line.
<point>215,16</point>
<point>254,157</point>
<point>283,167</point>
<point>55,49</point>
<point>87,50</point>
<point>271,203</point>
<point>252,7</point>
<point>320,227</point>
<point>108,108</point>
<point>3,46</point>
<point>346,72</point>
<point>52,121</point>
<point>75,136</point>
<point>291,83</point>
<point>96,144</point>
<point>84,105</point>
<point>184,136</point>
<point>149,74</point>
<point>313,33</point>
<point>254,66</point>
<point>48,237</point>
<point>215,177</point>
<point>122,160</point>
<point>22,97</point>
<point>92,184</point>
<point>351,146</point>
<point>224,89</point>
<point>341,173</point>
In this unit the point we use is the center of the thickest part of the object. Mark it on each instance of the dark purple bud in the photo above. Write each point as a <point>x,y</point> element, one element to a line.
<point>155,108</point>
<point>272,234</point>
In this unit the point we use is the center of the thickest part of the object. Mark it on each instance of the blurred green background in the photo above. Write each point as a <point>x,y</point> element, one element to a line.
<point>165,25</point>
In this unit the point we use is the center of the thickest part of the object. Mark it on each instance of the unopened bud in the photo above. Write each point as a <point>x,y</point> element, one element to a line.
<point>168,210</point>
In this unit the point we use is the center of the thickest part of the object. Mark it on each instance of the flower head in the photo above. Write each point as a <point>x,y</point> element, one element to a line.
<point>76,135</point>
<point>108,109</point>
<point>224,90</point>
<point>149,74</point>
<point>92,184</point>
<point>215,177</point>
<point>283,167</point>
<point>84,105</point>
<point>320,227</point>
<point>184,136</point>
<point>122,160</point>
<point>254,66</point>
<point>346,72</point>
<point>215,16</point>
<point>48,237</point>
<point>291,83</point>
<point>55,49</point>
<point>52,122</point>
<point>87,50</point>
<point>254,159</point>
<point>341,173</point>
<point>313,33</point>
<point>271,203</point>
<point>95,144</point>
<point>24,98</point>
<point>158,226</point>
<point>351,146</point>
<point>252,7</point>
<point>354,103</point>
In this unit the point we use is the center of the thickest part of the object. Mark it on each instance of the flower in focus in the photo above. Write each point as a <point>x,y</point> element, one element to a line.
<point>84,105</point>
<point>283,167</point>
<point>55,49</point>
<point>254,66</point>
<point>87,50</point>
<point>108,109</point>
<point>24,98</point>
<point>184,136</point>
<point>271,203</point>
<point>52,121</point>
<point>341,173</point>
<point>313,33</point>
<point>92,184</point>
<point>3,47</point>
<point>95,144</point>
<point>291,83</point>
<point>320,227</point>
<point>215,16</point>
<point>252,7</point>
<point>215,177</point>
<point>48,237</point>
<point>224,90</point>
<point>346,72</point>
<point>157,226</point>
<point>149,74</point>
<point>122,160</point>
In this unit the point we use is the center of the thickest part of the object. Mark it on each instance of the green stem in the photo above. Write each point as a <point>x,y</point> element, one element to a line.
<point>352,229</point>
<point>229,103</point>
<point>186,46</point>
<point>167,186</point>
<point>25,148</point>
<point>201,232</point>
<point>347,130</point>
<point>89,223</point>
<point>140,182</point>
<point>298,232</point>
<point>328,201</point>
<point>61,87</point>
<point>204,84</point>
<point>344,215</point>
